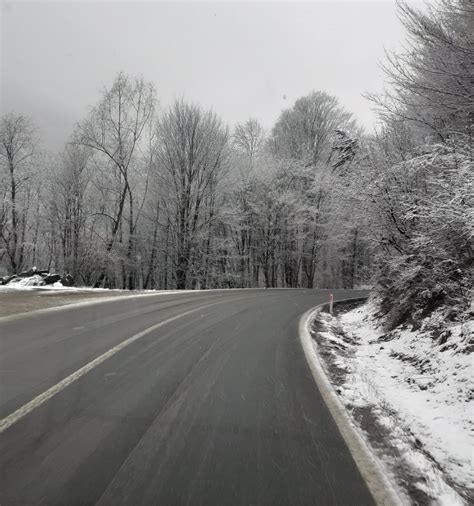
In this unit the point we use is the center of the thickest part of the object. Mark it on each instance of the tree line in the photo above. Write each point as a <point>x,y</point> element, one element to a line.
<point>144,196</point>
<point>149,198</point>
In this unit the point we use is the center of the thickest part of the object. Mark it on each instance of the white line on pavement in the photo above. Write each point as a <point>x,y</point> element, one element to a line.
<point>383,491</point>
<point>17,415</point>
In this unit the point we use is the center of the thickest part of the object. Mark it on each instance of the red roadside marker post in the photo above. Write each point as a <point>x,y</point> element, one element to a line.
<point>331,301</point>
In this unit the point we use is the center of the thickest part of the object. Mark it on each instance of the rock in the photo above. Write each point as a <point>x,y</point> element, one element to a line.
<point>51,278</point>
<point>28,273</point>
<point>452,314</point>
<point>67,280</point>
<point>24,274</point>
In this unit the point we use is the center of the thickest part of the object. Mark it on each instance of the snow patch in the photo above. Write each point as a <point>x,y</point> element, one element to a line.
<point>419,388</point>
<point>35,280</point>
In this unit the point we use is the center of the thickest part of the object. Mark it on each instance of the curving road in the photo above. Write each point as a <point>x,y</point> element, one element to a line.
<point>201,398</point>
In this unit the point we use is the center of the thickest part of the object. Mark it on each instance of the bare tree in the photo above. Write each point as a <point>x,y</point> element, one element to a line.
<point>431,81</point>
<point>114,129</point>
<point>69,187</point>
<point>249,138</point>
<point>191,155</point>
<point>17,147</point>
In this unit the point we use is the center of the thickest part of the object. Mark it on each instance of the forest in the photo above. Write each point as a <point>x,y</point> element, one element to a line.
<point>153,196</point>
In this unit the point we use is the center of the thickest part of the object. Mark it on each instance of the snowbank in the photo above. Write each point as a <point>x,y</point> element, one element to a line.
<point>35,280</point>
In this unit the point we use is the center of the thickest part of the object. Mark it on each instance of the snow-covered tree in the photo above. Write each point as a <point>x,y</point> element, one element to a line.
<point>17,150</point>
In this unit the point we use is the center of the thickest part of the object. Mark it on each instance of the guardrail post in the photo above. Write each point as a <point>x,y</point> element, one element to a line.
<point>331,301</point>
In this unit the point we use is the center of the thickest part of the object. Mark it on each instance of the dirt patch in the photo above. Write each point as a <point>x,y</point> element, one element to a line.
<point>333,354</point>
<point>344,307</point>
<point>23,301</point>
<point>378,435</point>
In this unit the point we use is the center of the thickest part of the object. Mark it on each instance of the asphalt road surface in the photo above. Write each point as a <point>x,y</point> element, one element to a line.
<point>214,404</point>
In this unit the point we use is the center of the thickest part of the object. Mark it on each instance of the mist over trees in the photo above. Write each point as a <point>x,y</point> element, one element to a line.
<point>148,196</point>
<point>144,197</point>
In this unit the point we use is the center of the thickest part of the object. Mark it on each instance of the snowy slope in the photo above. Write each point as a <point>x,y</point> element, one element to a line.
<point>419,389</point>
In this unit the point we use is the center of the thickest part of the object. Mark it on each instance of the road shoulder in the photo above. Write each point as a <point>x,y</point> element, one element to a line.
<point>371,469</point>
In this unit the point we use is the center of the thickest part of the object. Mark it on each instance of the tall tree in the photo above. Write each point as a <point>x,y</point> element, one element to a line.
<point>249,138</point>
<point>191,157</point>
<point>306,133</point>
<point>17,147</point>
<point>430,83</point>
<point>114,129</point>
<point>69,187</point>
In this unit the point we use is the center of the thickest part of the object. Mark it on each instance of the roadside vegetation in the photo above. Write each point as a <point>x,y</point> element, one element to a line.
<point>402,363</point>
<point>161,197</point>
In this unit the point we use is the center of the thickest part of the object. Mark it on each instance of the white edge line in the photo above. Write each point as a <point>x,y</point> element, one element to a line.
<point>100,300</point>
<point>370,467</point>
<point>85,303</point>
<point>21,412</point>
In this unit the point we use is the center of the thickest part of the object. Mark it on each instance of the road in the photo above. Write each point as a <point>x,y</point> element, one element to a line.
<point>213,405</point>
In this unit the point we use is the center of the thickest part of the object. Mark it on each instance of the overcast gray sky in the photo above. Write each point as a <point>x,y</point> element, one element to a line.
<point>241,59</point>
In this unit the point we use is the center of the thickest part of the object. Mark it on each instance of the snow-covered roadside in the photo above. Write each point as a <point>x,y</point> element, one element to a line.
<point>25,284</point>
<point>411,391</point>
<point>13,287</point>
<point>36,283</point>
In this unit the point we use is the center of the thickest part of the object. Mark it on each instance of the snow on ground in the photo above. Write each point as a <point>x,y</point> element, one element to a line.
<point>33,283</point>
<point>417,388</point>
<point>25,285</point>
<point>35,280</point>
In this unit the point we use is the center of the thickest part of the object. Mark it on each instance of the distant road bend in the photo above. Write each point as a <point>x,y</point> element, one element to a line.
<point>196,398</point>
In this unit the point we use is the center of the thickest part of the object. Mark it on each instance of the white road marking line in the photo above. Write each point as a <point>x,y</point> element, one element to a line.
<point>384,492</point>
<point>17,415</point>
